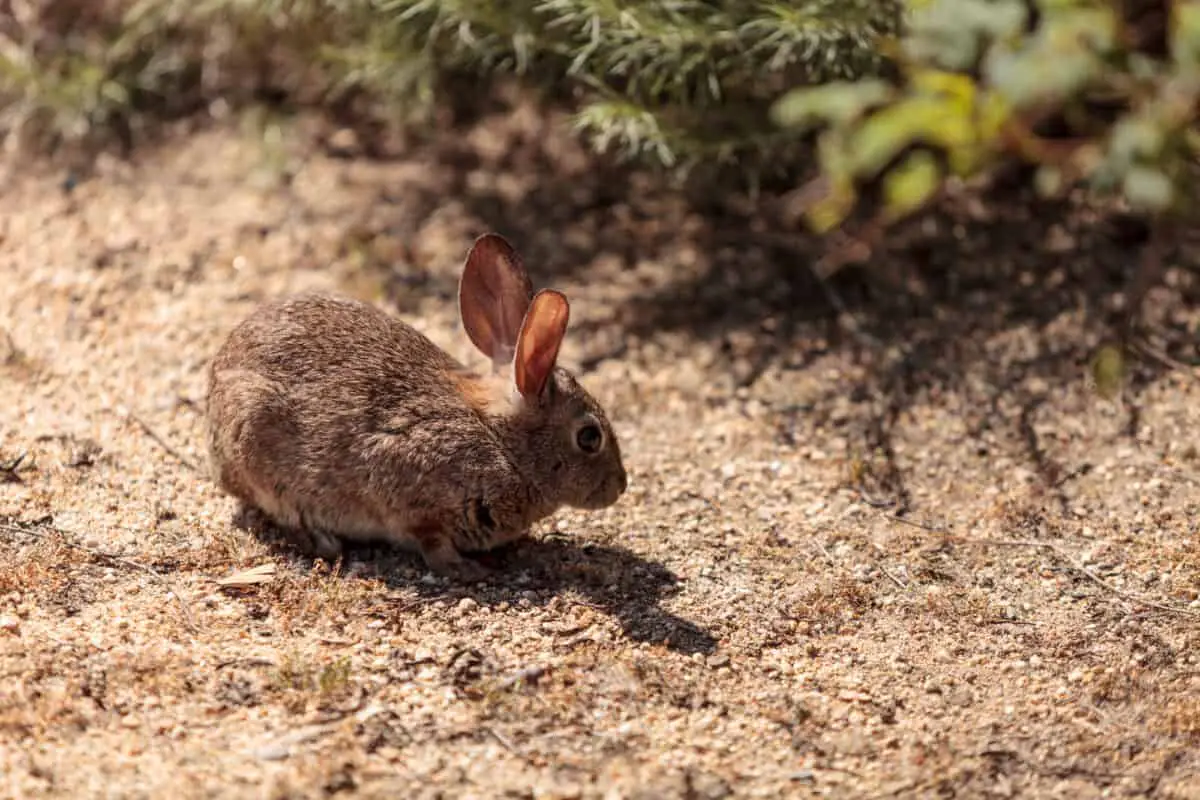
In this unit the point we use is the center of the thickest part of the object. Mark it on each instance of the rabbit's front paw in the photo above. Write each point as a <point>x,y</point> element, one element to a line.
<point>444,559</point>
<point>317,543</point>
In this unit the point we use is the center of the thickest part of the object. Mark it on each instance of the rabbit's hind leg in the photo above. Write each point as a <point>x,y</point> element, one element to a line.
<point>311,541</point>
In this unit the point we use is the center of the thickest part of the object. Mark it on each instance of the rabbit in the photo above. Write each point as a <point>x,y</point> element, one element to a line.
<point>342,423</point>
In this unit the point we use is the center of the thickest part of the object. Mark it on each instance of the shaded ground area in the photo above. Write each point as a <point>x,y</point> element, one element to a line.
<point>905,550</point>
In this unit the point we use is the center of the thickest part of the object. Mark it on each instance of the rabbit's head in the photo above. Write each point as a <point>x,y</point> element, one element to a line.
<point>556,431</point>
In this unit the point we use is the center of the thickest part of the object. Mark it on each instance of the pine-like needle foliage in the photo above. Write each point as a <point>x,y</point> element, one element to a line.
<point>681,80</point>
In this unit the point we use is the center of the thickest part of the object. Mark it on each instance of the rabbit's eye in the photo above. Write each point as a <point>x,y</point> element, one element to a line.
<point>589,438</point>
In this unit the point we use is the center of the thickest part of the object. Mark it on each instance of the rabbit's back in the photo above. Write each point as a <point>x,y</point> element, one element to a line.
<point>321,409</point>
<point>334,343</point>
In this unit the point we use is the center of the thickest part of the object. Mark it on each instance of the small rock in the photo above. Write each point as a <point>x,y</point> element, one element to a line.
<point>344,143</point>
<point>340,781</point>
<point>1058,240</point>
<point>705,786</point>
<point>465,606</point>
<point>10,625</point>
<point>277,751</point>
<point>82,453</point>
<point>560,791</point>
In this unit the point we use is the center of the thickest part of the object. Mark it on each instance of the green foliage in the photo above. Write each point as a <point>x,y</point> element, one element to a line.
<point>1091,92</point>
<point>1108,371</point>
<point>680,81</point>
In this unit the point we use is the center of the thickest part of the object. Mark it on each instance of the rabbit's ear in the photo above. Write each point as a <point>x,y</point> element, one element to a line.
<point>493,296</point>
<point>537,347</point>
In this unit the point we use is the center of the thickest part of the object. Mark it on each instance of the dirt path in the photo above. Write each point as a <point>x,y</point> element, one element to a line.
<point>742,624</point>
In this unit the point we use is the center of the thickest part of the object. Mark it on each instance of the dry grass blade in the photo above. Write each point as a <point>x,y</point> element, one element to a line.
<point>68,539</point>
<point>255,576</point>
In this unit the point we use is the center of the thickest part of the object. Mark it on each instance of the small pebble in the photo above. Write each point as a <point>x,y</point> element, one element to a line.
<point>466,606</point>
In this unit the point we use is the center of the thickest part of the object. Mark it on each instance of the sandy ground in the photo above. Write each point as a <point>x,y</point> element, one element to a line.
<point>751,620</point>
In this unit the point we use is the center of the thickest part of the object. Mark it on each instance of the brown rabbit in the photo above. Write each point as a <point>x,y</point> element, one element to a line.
<point>341,422</point>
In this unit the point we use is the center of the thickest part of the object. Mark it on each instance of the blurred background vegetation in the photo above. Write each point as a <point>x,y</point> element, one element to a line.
<point>889,98</point>
<point>682,81</point>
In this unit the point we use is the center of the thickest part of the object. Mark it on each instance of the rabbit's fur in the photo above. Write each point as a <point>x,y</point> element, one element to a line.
<point>341,422</point>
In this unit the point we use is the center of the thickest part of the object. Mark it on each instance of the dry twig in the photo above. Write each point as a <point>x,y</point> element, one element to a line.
<point>502,740</point>
<point>524,676</point>
<point>8,470</point>
<point>1150,351</point>
<point>1082,570</point>
<point>163,443</point>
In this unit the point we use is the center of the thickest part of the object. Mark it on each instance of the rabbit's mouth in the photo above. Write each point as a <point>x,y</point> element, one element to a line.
<point>606,493</point>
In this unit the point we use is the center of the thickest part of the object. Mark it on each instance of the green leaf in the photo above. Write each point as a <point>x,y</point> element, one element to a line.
<point>838,102</point>
<point>951,33</point>
<point>929,119</point>
<point>1064,56</point>
<point>910,184</point>
<point>828,212</point>
<point>1185,35</point>
<point>1134,139</point>
<point>1148,188</point>
<point>1108,370</point>
<point>1048,181</point>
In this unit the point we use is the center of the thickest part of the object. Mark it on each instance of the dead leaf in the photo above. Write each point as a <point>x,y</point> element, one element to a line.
<point>263,573</point>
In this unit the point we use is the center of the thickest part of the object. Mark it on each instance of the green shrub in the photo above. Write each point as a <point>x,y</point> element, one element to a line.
<point>1102,94</point>
<point>680,81</point>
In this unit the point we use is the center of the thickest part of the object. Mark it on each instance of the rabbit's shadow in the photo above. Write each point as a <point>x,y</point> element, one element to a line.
<point>535,570</point>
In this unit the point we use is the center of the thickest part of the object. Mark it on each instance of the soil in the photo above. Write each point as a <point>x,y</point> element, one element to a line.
<point>884,536</point>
